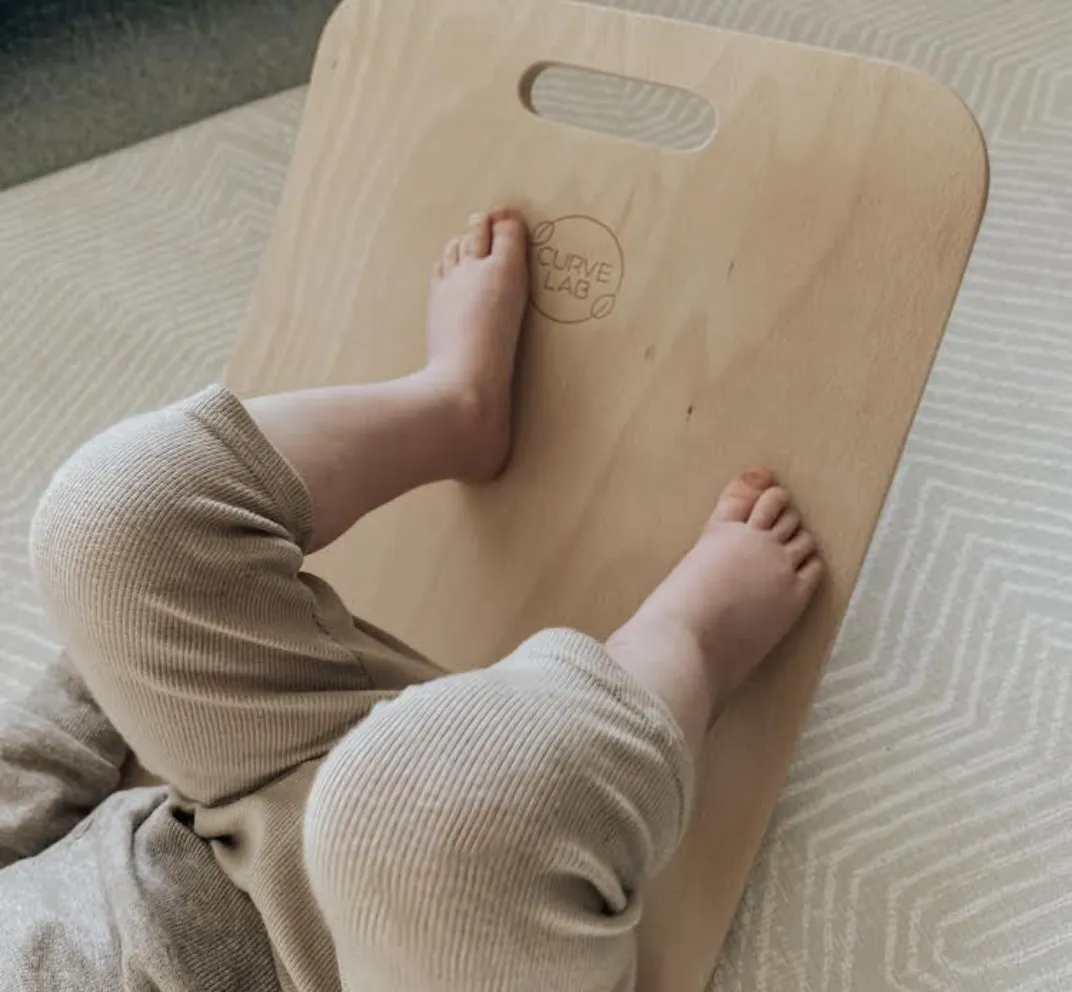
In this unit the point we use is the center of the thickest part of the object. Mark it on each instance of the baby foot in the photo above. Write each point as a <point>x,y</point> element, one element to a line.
<point>728,603</point>
<point>475,308</point>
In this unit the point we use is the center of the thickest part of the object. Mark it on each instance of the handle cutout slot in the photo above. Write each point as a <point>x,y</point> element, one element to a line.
<point>632,109</point>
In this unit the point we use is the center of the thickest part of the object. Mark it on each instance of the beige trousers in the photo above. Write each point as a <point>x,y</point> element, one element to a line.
<point>395,830</point>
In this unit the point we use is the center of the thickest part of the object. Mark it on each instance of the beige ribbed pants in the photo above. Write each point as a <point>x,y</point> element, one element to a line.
<point>396,831</point>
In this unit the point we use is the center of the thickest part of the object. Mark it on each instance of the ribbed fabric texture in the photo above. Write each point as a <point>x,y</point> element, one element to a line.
<point>494,830</point>
<point>486,831</point>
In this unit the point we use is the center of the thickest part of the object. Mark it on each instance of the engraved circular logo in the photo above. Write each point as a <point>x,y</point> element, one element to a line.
<point>576,268</point>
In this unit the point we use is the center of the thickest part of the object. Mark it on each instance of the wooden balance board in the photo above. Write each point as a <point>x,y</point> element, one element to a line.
<point>775,297</point>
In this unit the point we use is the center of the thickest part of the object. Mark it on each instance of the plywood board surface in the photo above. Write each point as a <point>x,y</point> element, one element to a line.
<point>775,297</point>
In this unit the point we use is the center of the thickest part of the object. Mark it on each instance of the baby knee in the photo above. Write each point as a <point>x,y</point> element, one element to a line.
<point>101,509</point>
<point>474,805</point>
<point>455,763</point>
<point>429,795</point>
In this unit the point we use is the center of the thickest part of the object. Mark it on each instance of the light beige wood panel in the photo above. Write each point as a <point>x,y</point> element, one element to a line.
<point>775,298</point>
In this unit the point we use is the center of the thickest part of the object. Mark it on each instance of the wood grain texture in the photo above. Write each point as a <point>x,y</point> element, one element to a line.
<point>776,298</point>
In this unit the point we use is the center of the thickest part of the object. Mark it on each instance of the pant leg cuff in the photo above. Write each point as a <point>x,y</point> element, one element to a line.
<point>590,658</point>
<point>222,413</point>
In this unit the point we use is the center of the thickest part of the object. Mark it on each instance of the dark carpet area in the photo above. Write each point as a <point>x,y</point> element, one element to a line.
<point>79,78</point>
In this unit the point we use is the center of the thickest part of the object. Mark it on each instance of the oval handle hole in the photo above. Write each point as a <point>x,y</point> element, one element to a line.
<point>665,116</point>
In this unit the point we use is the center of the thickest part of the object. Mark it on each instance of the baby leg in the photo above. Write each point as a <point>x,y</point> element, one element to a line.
<point>497,829</point>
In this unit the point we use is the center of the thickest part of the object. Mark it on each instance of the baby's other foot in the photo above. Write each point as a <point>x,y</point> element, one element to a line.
<point>727,604</point>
